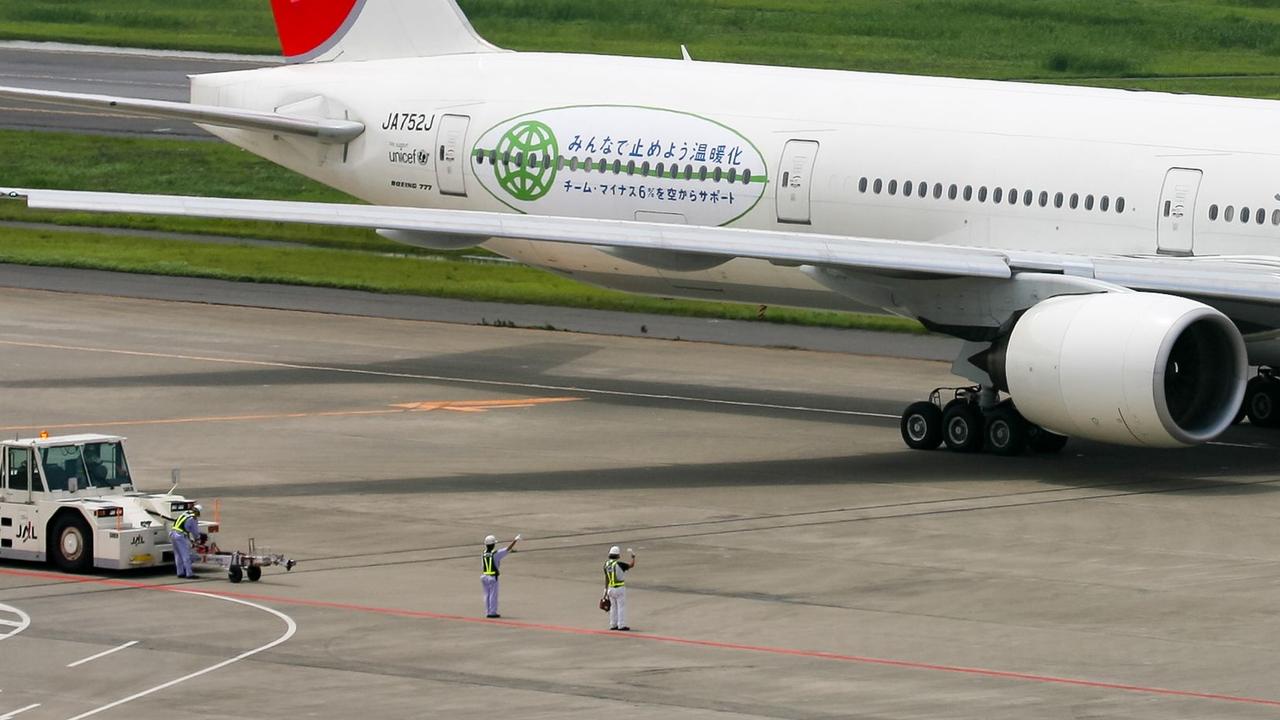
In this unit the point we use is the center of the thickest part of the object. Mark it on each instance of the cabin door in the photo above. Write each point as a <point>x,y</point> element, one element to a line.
<point>1175,225</point>
<point>796,181</point>
<point>451,155</point>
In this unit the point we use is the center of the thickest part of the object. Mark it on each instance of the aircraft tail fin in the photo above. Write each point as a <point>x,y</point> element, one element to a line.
<point>354,30</point>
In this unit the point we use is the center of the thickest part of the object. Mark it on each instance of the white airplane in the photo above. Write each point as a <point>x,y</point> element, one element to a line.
<point>1109,257</point>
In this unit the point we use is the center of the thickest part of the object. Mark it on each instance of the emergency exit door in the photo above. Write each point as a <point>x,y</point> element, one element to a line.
<point>1175,232</point>
<point>796,181</point>
<point>451,156</point>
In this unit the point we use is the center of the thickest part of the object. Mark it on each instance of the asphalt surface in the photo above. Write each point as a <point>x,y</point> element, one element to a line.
<point>795,561</point>
<point>150,75</point>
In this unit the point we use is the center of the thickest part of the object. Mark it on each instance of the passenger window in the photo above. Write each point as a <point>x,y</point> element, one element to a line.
<point>1120,205</point>
<point>893,187</point>
<point>1260,216</point>
<point>922,189</point>
<point>1168,204</point>
<point>968,193</point>
<point>937,191</point>
<point>1057,200</point>
<point>997,195</point>
<point>1244,215</point>
<point>733,173</point>
<point>879,185</point>
<point>746,175</point>
<point>1213,212</point>
<point>1044,198</point>
<point>1013,196</point>
<point>951,192</point>
<point>906,189</point>
<point>982,194</point>
<point>862,185</point>
<point>1028,197</point>
<point>479,157</point>
<point>702,173</point>
<point>1075,200</point>
<point>1088,202</point>
<point>617,167</point>
<point>1229,214</point>
<point>1104,203</point>
<point>1275,217</point>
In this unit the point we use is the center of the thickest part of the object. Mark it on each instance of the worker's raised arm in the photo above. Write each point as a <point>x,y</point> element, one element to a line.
<point>512,546</point>
<point>633,558</point>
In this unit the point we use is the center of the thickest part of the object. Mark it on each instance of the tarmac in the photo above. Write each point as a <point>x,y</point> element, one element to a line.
<point>795,560</point>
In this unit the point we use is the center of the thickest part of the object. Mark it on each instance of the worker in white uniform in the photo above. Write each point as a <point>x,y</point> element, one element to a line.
<point>615,587</point>
<point>491,561</point>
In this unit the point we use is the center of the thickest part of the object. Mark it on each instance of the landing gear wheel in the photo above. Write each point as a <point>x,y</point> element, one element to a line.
<point>71,544</point>
<point>922,426</point>
<point>1006,431</point>
<point>1043,441</point>
<point>962,427</point>
<point>1262,401</point>
<point>254,573</point>
<point>235,574</point>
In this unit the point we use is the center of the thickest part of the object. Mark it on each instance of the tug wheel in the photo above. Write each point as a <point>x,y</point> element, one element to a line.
<point>235,574</point>
<point>255,573</point>
<point>71,544</point>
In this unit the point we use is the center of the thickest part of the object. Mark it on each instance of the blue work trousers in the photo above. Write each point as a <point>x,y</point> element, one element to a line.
<point>490,584</point>
<point>181,553</point>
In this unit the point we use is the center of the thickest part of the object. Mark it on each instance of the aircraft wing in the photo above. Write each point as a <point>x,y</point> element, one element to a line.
<point>321,129</point>
<point>1255,280</point>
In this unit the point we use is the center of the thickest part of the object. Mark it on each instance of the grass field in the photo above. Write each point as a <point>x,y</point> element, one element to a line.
<point>979,38</point>
<point>357,270</point>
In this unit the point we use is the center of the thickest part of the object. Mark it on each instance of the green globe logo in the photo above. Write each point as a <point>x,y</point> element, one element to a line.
<point>527,156</point>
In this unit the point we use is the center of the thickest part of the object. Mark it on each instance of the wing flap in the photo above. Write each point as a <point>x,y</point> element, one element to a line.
<point>774,246</point>
<point>321,129</point>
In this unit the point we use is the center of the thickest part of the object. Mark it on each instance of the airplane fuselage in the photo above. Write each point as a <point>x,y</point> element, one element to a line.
<point>978,163</point>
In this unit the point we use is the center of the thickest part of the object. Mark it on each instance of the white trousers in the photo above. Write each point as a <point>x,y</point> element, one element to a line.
<point>618,610</point>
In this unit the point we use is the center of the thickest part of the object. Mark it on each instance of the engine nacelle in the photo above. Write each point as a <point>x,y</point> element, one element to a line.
<point>1128,368</point>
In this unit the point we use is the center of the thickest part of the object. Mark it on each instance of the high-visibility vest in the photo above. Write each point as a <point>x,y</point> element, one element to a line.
<point>611,575</point>
<point>181,521</point>
<point>489,567</point>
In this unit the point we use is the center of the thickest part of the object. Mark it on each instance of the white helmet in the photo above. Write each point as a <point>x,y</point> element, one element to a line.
<point>489,539</point>
<point>615,550</point>
<point>197,508</point>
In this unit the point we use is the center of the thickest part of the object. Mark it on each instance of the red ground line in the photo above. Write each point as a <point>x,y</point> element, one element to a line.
<point>668,639</point>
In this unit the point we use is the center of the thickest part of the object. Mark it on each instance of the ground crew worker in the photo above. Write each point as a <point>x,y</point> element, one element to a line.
<point>184,533</point>
<point>615,587</point>
<point>490,560</point>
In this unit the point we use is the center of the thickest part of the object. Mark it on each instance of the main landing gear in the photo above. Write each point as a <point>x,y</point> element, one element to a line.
<point>1262,399</point>
<point>965,426</point>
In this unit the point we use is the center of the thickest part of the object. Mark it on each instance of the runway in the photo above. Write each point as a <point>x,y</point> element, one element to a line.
<point>795,561</point>
<point>142,74</point>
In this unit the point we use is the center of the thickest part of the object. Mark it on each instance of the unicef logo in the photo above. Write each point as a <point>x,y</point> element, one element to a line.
<point>528,153</point>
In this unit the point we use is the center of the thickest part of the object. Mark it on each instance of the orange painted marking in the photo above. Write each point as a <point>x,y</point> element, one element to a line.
<point>454,405</point>
<point>483,405</point>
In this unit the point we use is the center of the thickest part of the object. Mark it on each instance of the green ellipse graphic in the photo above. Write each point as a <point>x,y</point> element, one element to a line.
<point>527,155</point>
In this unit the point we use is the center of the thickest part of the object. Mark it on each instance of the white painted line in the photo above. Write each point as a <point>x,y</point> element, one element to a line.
<point>22,623</point>
<point>290,628</point>
<point>462,381</point>
<point>19,711</point>
<point>104,653</point>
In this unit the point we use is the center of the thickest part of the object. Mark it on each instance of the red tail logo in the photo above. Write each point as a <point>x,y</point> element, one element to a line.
<point>305,25</point>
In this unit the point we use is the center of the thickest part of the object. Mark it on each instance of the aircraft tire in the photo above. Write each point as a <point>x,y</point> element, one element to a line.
<point>922,426</point>
<point>962,427</point>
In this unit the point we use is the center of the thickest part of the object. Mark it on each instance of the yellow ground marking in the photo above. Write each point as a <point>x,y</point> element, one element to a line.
<point>397,409</point>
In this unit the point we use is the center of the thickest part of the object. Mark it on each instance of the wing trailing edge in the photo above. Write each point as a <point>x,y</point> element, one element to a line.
<point>329,131</point>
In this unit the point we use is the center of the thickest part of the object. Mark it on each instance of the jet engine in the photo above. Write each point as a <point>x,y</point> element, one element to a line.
<point>1128,368</point>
